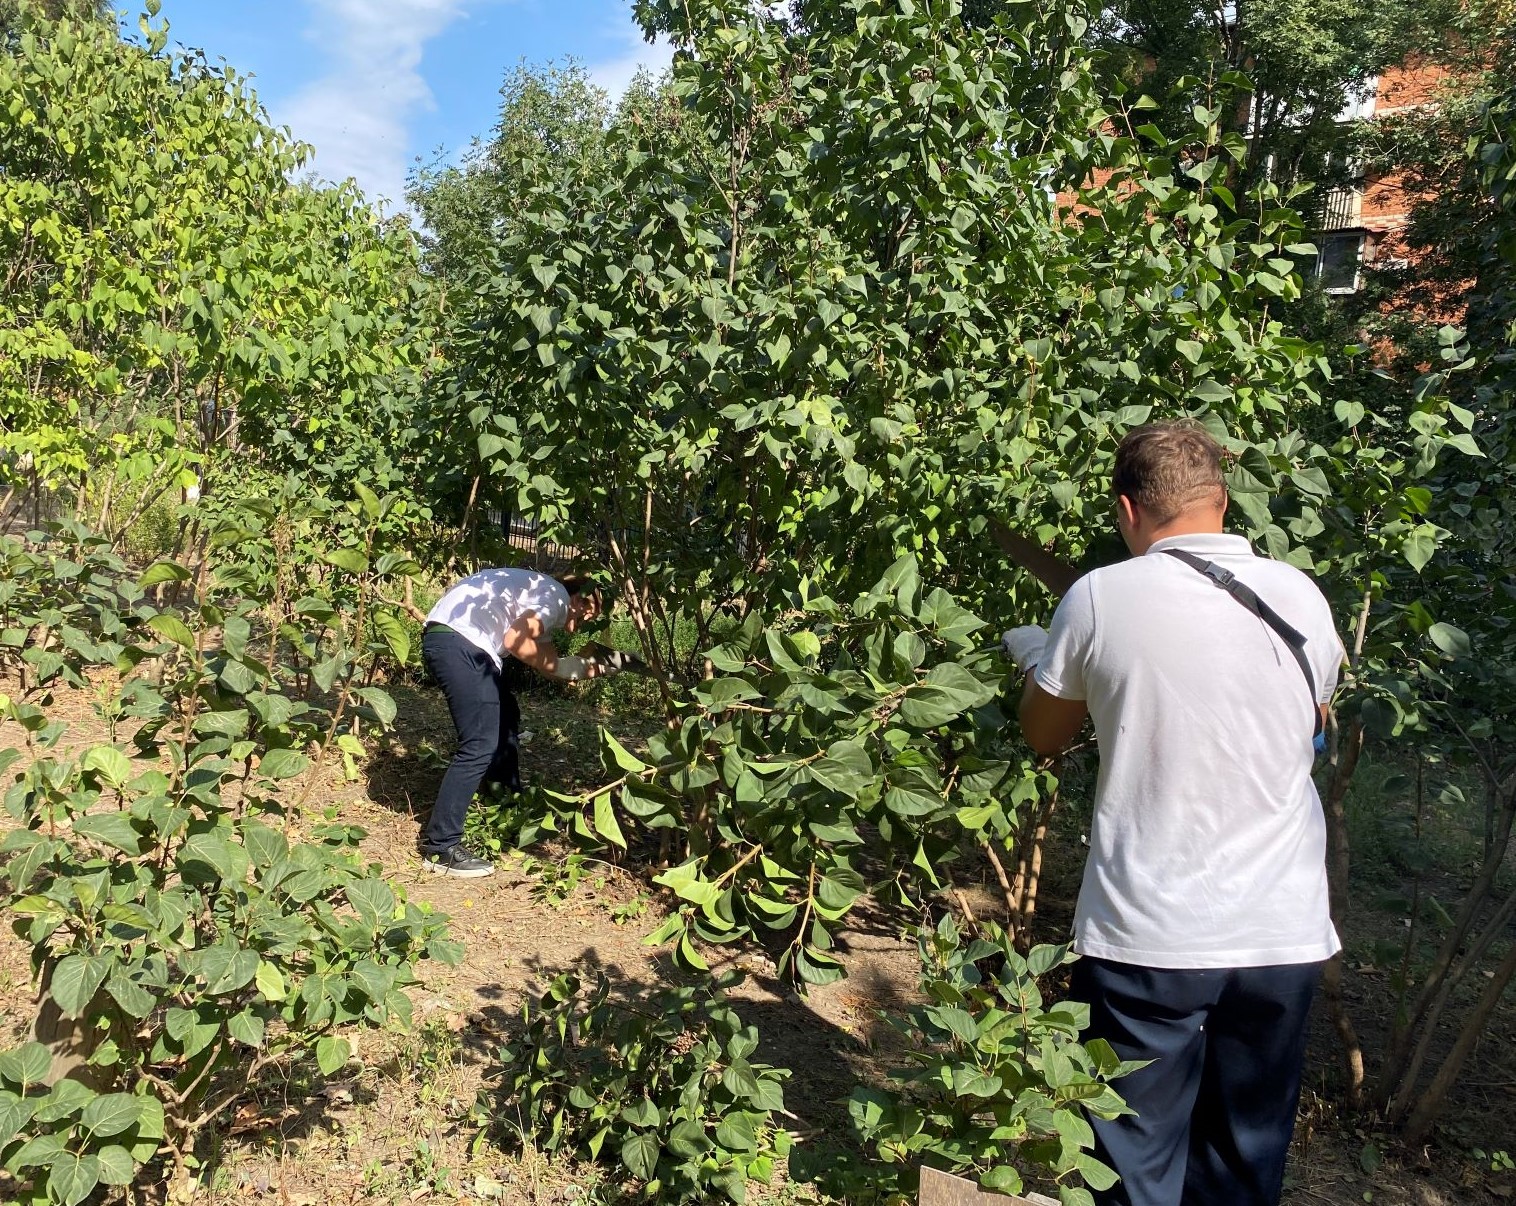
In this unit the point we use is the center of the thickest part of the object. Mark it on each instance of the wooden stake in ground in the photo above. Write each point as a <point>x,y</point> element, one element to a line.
<point>944,1189</point>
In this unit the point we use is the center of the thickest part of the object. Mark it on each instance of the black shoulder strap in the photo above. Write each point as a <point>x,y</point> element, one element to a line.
<point>1244,594</point>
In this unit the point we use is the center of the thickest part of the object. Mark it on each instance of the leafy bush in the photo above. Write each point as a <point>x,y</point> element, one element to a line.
<point>995,1070</point>
<point>500,821</point>
<point>190,923</point>
<point>78,1138</point>
<point>845,732</point>
<point>665,1091</point>
<point>62,598</point>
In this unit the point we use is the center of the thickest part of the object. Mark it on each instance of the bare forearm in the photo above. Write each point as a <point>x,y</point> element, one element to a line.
<point>542,656</point>
<point>1049,723</point>
<point>565,667</point>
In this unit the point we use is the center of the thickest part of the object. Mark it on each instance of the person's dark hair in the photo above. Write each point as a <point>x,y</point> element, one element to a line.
<point>580,584</point>
<point>1168,467</point>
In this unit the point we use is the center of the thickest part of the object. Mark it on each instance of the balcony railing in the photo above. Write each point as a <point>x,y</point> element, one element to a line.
<point>1342,209</point>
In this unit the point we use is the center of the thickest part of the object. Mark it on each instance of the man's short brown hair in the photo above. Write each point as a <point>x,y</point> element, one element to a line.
<point>1166,468</point>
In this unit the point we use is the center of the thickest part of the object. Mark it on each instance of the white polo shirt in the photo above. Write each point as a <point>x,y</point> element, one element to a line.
<point>483,606</point>
<point>1208,845</point>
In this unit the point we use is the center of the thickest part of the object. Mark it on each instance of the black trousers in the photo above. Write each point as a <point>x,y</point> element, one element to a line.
<point>1216,1107</point>
<point>487,719</point>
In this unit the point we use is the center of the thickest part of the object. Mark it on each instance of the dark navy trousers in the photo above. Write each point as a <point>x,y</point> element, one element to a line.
<point>488,721</point>
<point>1216,1107</point>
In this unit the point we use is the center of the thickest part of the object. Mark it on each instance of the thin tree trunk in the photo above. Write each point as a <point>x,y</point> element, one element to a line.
<point>466,526</point>
<point>1429,1105</point>
<point>1405,1082</point>
<point>1413,930</point>
<point>1432,984</point>
<point>1029,873</point>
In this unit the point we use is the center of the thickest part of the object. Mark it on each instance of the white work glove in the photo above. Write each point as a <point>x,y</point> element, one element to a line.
<point>570,669</point>
<point>1024,646</point>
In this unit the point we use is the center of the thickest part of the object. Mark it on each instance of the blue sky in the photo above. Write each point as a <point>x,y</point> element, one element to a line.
<point>373,84</point>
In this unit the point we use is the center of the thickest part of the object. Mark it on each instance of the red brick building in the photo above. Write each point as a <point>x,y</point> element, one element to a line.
<point>1362,222</point>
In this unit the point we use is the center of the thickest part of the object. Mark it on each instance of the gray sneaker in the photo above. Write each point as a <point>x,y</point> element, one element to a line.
<point>458,862</point>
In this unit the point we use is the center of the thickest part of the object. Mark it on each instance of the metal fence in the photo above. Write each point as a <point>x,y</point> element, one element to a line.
<point>520,533</point>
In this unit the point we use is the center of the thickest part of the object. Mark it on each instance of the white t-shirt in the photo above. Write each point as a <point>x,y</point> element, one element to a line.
<point>483,606</point>
<point>1208,845</point>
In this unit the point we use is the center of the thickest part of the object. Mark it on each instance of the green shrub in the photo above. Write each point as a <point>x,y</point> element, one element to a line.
<point>501,821</point>
<point>155,532</point>
<point>664,1092</point>
<point>999,1082</point>
<point>68,1139</point>
<point>189,921</point>
<point>842,737</point>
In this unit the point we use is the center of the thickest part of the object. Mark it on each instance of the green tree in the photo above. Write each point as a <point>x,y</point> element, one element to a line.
<point>170,296</point>
<point>1306,59</point>
<point>15,13</point>
<point>1459,974</point>
<point>779,360</point>
<point>548,115</point>
<point>1449,274</point>
<point>796,339</point>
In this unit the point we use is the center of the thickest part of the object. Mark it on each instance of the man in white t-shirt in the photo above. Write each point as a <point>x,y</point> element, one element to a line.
<point>467,634</point>
<point>1202,921</point>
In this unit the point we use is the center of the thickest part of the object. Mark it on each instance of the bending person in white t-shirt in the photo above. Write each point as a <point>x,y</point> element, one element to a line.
<point>1203,919</point>
<point>483,617</point>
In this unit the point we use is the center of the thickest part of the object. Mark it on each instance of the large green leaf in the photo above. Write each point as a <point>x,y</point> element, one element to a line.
<point>111,1113</point>
<point>228,969</point>
<point>639,1154</point>
<point>606,824</point>
<point>76,979</point>
<point>283,764</point>
<point>847,767</point>
<point>373,899</point>
<point>116,1165</point>
<point>137,1001</point>
<point>352,560</point>
<point>246,1028</point>
<point>173,628</point>
<point>332,1054</point>
<point>162,571</point>
<point>26,1065</point>
<point>73,1178</point>
<point>109,763</point>
<point>205,857</point>
<point>230,723</point>
<point>1451,639</point>
<point>113,828</point>
<point>395,634</point>
<point>643,1114</point>
<point>381,701</point>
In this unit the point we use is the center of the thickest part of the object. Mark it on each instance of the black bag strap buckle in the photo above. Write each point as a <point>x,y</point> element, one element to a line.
<point>1222,577</point>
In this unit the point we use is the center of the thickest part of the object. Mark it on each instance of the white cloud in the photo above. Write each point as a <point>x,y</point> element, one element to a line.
<point>356,114</point>
<point>615,73</point>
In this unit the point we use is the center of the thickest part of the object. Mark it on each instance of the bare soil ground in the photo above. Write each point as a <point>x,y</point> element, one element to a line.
<point>397,1128</point>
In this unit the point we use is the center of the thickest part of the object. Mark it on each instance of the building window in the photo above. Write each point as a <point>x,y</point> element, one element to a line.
<point>1337,261</point>
<point>1359,101</point>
